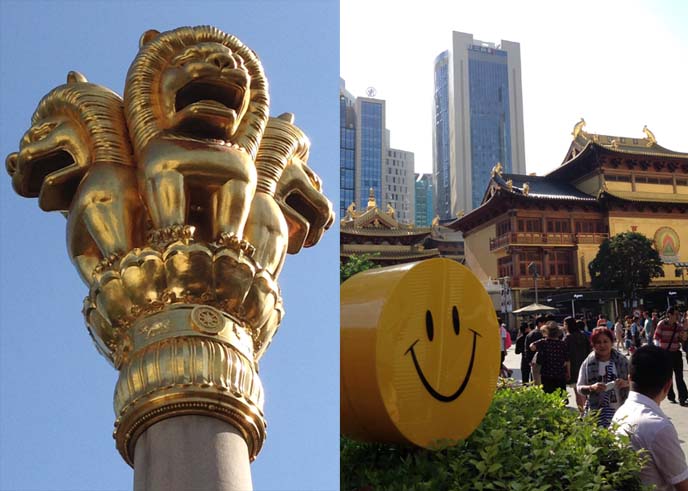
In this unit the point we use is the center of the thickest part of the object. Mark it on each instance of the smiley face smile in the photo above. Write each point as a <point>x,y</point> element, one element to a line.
<point>430,333</point>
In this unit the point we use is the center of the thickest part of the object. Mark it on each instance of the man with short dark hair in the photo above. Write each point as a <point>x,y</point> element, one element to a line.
<point>647,426</point>
<point>669,335</point>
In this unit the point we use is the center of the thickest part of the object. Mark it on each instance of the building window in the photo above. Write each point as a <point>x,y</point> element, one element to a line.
<point>589,227</point>
<point>558,226</point>
<point>617,178</point>
<point>503,228</point>
<point>530,225</point>
<point>561,263</point>
<point>525,258</point>
<point>653,180</point>
<point>505,266</point>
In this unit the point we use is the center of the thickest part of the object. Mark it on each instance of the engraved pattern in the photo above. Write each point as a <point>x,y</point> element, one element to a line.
<point>207,319</point>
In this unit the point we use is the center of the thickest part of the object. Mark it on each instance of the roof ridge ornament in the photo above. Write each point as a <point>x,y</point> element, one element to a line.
<point>497,170</point>
<point>651,140</point>
<point>578,128</point>
<point>371,199</point>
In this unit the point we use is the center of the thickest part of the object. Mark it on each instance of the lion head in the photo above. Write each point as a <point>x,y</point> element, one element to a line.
<point>199,83</point>
<point>307,210</point>
<point>75,126</point>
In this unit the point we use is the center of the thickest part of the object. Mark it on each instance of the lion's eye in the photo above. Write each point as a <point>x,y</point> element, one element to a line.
<point>41,131</point>
<point>187,56</point>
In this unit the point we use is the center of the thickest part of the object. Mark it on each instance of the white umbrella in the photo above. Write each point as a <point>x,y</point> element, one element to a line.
<point>534,308</point>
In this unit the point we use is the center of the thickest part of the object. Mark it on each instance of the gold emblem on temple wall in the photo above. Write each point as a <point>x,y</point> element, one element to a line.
<point>182,201</point>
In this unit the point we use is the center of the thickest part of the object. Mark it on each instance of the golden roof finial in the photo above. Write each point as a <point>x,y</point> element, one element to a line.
<point>578,128</point>
<point>390,210</point>
<point>436,221</point>
<point>371,199</point>
<point>497,170</point>
<point>510,185</point>
<point>651,140</point>
<point>615,143</point>
<point>351,211</point>
<point>526,188</point>
<point>460,213</point>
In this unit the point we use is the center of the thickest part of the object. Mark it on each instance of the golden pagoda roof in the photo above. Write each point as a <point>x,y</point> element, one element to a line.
<point>620,144</point>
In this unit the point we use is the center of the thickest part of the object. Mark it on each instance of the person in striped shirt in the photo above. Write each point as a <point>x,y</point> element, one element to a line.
<point>669,335</point>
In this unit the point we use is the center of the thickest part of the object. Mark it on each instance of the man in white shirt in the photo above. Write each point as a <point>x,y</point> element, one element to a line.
<point>649,428</point>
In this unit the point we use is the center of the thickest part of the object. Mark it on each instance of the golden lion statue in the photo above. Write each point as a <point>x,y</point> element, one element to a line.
<point>266,227</point>
<point>307,210</point>
<point>76,158</point>
<point>196,103</point>
<point>288,212</point>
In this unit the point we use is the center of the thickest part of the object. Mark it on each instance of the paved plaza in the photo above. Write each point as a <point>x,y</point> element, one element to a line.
<point>678,414</point>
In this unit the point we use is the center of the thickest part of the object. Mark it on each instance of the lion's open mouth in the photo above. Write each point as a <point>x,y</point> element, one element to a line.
<point>210,108</point>
<point>214,93</point>
<point>42,167</point>
<point>302,206</point>
<point>317,215</point>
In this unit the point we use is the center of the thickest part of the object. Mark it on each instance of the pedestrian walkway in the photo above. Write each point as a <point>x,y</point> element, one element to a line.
<point>678,414</point>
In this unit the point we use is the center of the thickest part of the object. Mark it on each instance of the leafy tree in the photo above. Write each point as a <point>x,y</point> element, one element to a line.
<point>355,264</point>
<point>627,262</point>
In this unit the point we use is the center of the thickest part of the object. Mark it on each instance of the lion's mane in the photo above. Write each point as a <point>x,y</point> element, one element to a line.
<point>100,111</point>
<point>152,59</point>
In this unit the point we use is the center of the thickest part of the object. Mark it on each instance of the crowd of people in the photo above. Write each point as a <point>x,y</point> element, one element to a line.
<point>595,362</point>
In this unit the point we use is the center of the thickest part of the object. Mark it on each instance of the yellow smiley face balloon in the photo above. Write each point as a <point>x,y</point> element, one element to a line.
<point>420,353</point>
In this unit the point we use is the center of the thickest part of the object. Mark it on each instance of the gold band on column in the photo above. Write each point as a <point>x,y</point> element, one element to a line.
<point>189,359</point>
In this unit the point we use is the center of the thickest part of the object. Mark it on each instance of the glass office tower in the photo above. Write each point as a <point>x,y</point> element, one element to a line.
<point>347,150</point>
<point>369,147</point>
<point>424,207</point>
<point>478,120</point>
<point>441,158</point>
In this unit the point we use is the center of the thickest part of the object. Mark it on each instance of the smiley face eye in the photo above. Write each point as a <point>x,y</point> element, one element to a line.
<point>455,320</point>
<point>429,327</point>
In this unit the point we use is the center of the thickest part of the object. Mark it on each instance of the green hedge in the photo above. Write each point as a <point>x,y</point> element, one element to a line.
<point>528,441</point>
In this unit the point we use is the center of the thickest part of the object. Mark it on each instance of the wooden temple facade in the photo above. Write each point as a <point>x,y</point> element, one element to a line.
<point>605,185</point>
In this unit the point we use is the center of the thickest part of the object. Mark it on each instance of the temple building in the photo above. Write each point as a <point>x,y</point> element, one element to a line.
<point>554,224</point>
<point>379,234</point>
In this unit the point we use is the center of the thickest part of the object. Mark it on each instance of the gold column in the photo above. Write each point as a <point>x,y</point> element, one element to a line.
<point>182,200</point>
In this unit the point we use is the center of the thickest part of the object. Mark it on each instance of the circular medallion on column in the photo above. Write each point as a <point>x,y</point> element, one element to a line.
<point>207,320</point>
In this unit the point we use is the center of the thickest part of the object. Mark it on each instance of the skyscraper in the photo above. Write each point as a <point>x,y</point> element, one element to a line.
<point>370,147</point>
<point>347,149</point>
<point>478,120</point>
<point>424,198</point>
<point>367,161</point>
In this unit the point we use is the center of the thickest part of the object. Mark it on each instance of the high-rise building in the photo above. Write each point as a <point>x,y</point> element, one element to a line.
<point>399,184</point>
<point>423,202</point>
<point>347,149</point>
<point>367,162</point>
<point>478,120</point>
<point>370,147</point>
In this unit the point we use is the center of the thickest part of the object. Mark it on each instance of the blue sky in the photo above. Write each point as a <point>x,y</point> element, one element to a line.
<point>56,411</point>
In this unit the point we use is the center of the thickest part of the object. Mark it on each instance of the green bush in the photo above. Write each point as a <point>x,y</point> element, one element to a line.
<point>356,263</point>
<point>528,441</point>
